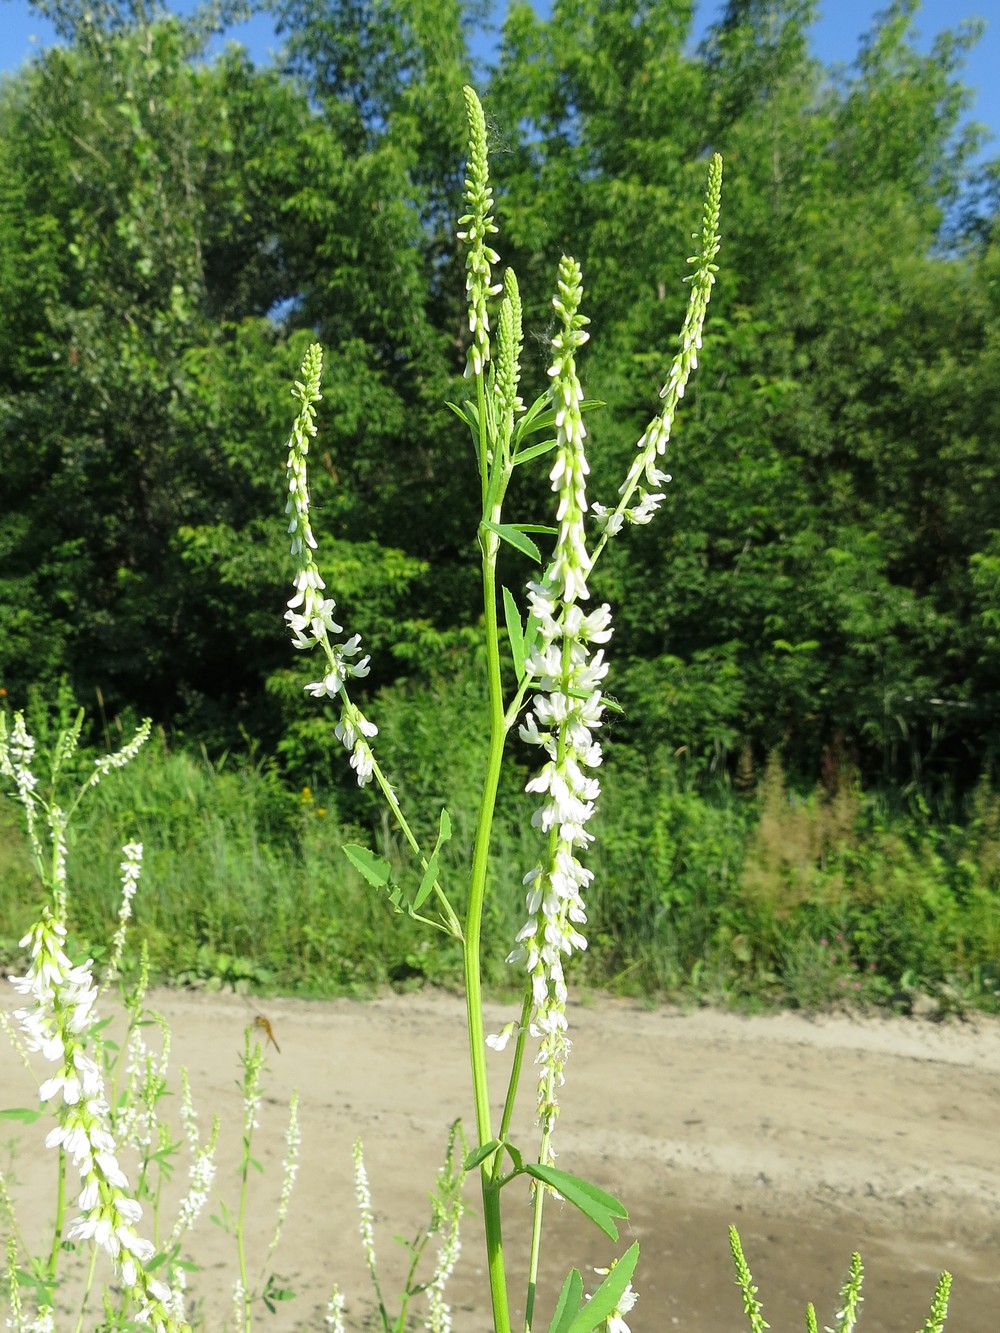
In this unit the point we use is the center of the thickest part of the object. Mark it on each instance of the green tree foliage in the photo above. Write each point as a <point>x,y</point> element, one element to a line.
<point>834,475</point>
<point>156,211</point>
<point>171,231</point>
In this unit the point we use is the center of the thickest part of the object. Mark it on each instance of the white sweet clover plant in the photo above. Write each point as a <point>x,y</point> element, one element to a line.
<point>554,702</point>
<point>105,1097</point>
<point>59,1021</point>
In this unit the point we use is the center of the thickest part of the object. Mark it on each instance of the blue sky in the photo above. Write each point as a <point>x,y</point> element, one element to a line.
<point>835,38</point>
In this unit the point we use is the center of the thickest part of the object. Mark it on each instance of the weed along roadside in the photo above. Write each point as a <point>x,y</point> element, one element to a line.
<point>556,1240</point>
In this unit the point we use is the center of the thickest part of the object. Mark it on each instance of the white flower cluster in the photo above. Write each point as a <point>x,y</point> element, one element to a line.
<point>448,1210</point>
<point>310,614</point>
<point>564,715</point>
<point>131,869</point>
<point>363,1198</point>
<point>653,443</point>
<point>477,225</point>
<point>106,762</point>
<point>56,1026</point>
<point>202,1176</point>
<point>335,1310</point>
<point>290,1171</point>
<point>16,756</point>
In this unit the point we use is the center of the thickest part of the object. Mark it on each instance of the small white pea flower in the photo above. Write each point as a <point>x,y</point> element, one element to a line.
<point>646,508</point>
<point>497,1041</point>
<point>310,615</point>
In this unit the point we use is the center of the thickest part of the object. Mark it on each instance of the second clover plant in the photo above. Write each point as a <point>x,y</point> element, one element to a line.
<point>556,642</point>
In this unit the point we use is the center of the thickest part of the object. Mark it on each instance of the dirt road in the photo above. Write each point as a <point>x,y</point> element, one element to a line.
<point>815,1136</point>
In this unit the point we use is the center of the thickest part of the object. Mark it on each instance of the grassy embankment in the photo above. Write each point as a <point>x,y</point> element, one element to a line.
<point>766,895</point>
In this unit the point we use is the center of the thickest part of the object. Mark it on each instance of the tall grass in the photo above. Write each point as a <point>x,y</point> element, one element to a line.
<point>829,896</point>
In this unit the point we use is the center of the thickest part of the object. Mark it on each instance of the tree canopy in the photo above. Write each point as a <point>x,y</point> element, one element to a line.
<point>825,578</point>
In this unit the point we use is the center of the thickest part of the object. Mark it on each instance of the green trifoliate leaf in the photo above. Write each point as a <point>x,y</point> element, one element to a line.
<point>528,423</point>
<point>602,1208</point>
<point>467,413</point>
<point>515,1155</point>
<point>513,535</point>
<point>531,632</point>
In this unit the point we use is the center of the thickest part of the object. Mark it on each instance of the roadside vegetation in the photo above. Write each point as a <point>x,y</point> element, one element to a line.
<point>800,797</point>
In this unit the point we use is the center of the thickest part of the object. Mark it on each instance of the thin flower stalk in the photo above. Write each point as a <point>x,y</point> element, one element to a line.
<point>652,444</point>
<point>448,1210</point>
<point>17,752</point>
<point>290,1169</point>
<point>851,1297</point>
<point>16,1318</point>
<point>146,1083</point>
<point>335,1312</point>
<point>475,227</point>
<point>238,1310</point>
<point>366,1223</point>
<point>564,713</point>
<point>178,1292</point>
<point>253,1067</point>
<point>131,868</point>
<point>201,1172</point>
<point>310,616</point>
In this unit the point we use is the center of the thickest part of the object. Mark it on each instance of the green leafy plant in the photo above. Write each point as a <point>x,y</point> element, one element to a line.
<point>544,675</point>
<point>552,694</point>
<point>106,1095</point>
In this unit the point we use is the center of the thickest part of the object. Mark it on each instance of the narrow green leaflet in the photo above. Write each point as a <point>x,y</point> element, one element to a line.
<point>516,538</point>
<point>480,1154</point>
<point>526,426</point>
<point>531,634</point>
<point>605,1299</point>
<point>431,872</point>
<point>514,631</point>
<point>545,420</point>
<point>602,1209</point>
<point>25,1114</point>
<point>533,451</point>
<point>515,1155</point>
<point>467,413</point>
<point>376,871</point>
<point>568,1303</point>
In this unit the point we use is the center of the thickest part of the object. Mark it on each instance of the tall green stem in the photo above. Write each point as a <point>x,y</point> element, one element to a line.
<point>57,1232</point>
<point>473,932</point>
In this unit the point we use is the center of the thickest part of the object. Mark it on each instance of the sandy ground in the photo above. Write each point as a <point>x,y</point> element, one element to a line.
<point>816,1136</point>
